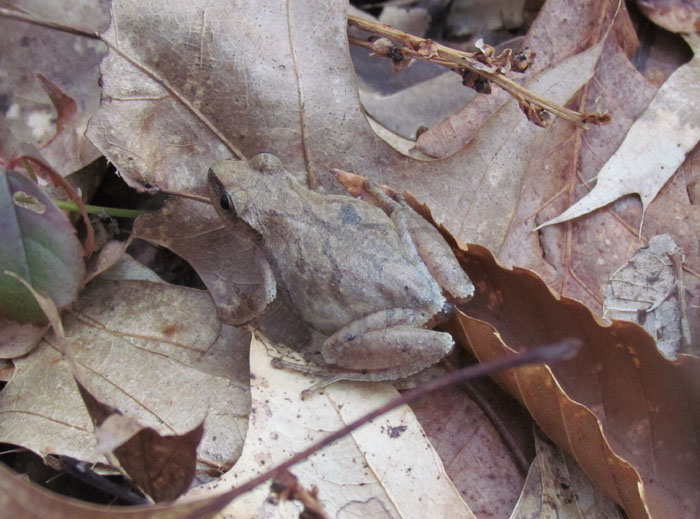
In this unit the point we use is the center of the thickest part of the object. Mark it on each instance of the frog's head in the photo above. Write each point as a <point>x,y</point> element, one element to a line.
<point>238,188</point>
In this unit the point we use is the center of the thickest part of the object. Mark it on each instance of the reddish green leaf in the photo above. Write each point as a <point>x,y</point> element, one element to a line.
<point>40,246</point>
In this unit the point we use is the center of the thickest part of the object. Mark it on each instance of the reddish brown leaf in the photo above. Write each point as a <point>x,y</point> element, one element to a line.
<point>477,460</point>
<point>65,105</point>
<point>629,416</point>
<point>162,466</point>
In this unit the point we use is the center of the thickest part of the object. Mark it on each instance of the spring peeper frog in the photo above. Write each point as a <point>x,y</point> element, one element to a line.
<point>365,277</point>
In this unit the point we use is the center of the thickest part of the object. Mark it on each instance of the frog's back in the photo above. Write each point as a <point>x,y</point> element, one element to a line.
<point>341,258</point>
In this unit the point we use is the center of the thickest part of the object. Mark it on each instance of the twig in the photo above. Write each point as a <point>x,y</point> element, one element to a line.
<point>677,260</point>
<point>471,66</point>
<point>21,15</point>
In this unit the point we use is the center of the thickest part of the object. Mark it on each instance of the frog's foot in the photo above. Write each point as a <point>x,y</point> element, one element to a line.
<point>328,376</point>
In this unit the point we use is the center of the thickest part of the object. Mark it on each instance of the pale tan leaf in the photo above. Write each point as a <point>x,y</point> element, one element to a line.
<point>19,339</point>
<point>473,16</point>
<point>366,472</point>
<point>654,147</point>
<point>414,20</point>
<point>673,15</point>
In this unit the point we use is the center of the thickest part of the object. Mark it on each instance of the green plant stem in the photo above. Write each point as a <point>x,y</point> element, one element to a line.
<point>96,209</point>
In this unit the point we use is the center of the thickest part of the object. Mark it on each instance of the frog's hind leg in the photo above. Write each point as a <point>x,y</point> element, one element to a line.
<point>386,345</point>
<point>390,353</point>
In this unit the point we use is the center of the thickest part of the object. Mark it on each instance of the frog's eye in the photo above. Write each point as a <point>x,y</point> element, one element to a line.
<point>226,203</point>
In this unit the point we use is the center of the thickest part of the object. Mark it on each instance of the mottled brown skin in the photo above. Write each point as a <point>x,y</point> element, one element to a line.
<point>352,272</point>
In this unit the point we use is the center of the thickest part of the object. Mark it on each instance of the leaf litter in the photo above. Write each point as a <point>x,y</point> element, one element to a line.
<point>155,351</point>
<point>335,110</point>
<point>655,145</point>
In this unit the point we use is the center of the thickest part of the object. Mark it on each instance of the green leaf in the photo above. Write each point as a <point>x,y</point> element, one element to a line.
<point>39,245</point>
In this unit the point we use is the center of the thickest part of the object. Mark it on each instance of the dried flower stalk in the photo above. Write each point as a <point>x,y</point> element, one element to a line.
<point>478,69</point>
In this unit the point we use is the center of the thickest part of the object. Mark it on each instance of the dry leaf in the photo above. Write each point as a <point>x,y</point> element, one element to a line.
<point>155,351</point>
<point>620,372</point>
<point>414,20</point>
<point>562,29</point>
<point>578,259</point>
<point>673,15</point>
<point>654,147</point>
<point>23,499</point>
<point>68,61</point>
<point>366,472</point>
<point>648,290</point>
<point>481,465</point>
<point>234,73</point>
<point>332,120</point>
<point>421,105</point>
<point>161,466</point>
<point>227,260</point>
<point>477,16</point>
<point>556,488</point>
<point>624,412</point>
<point>110,255</point>
<point>19,339</point>
<point>473,192</point>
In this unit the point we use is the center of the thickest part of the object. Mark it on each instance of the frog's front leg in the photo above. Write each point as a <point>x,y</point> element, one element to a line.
<point>423,241</point>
